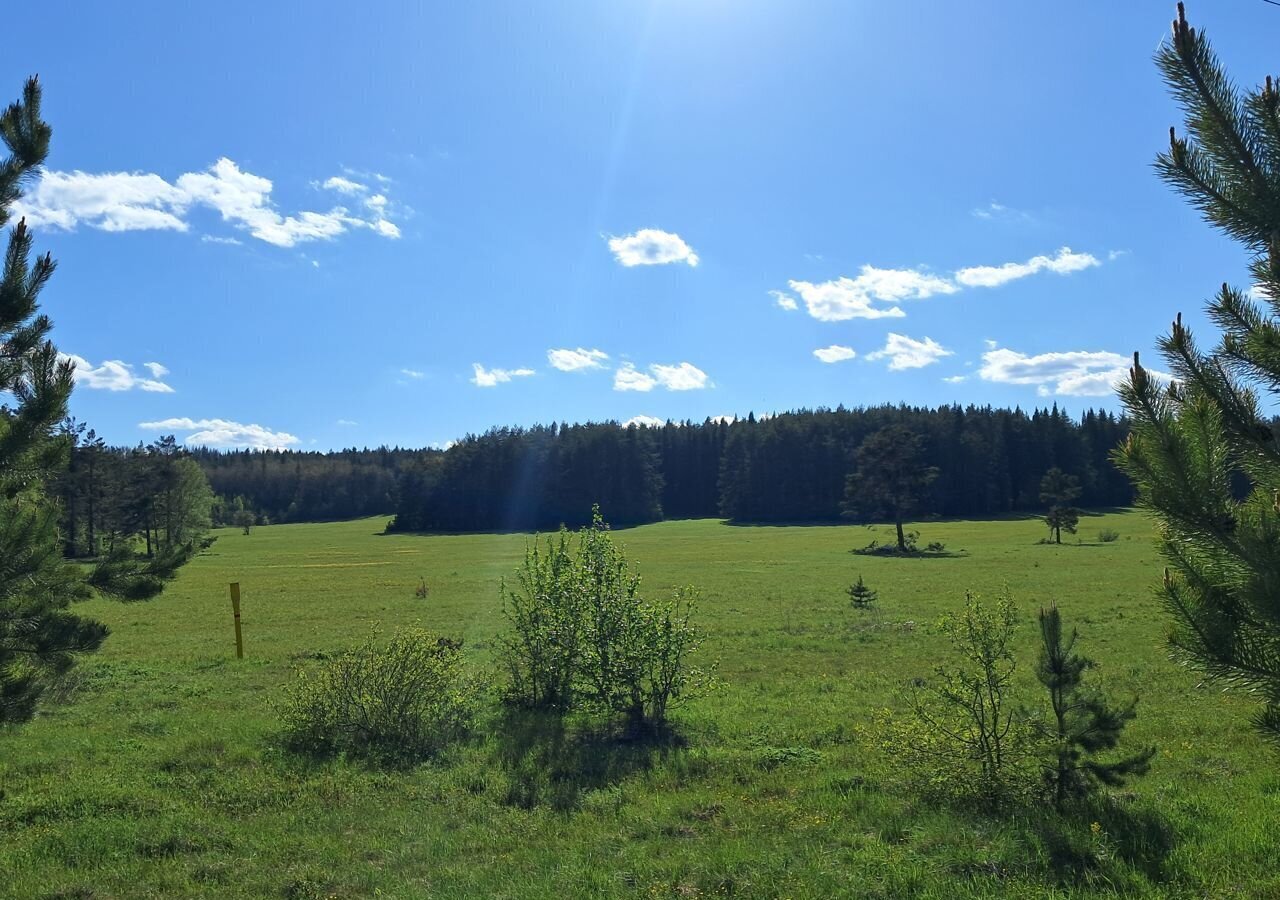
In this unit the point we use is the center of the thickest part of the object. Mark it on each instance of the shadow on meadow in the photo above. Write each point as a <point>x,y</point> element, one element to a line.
<point>548,760</point>
<point>1079,844</point>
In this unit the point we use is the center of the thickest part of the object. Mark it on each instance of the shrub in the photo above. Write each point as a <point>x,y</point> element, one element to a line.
<point>541,648</point>
<point>966,737</point>
<point>421,591</point>
<point>403,700</point>
<point>935,547</point>
<point>582,635</point>
<point>1108,536</point>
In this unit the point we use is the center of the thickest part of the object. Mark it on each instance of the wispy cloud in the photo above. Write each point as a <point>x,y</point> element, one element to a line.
<point>117,375</point>
<point>835,353</point>
<point>413,373</point>
<point>577,360</point>
<point>137,201</point>
<point>908,353</point>
<point>1064,262</point>
<point>651,247</point>
<point>875,293</point>
<point>994,210</point>
<point>1074,373</point>
<point>783,300</point>
<point>346,423</point>
<point>493,377</point>
<point>223,433</point>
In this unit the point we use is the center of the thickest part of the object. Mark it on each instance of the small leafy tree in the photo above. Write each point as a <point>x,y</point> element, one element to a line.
<point>966,711</point>
<point>582,635</point>
<point>890,477</point>
<point>860,595</point>
<point>1058,490</point>
<point>1083,723</point>
<point>542,647</point>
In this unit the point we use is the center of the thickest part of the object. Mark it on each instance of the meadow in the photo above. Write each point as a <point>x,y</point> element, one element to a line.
<point>160,774</point>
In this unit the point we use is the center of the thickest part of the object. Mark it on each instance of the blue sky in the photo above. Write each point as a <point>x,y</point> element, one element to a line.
<point>315,224</point>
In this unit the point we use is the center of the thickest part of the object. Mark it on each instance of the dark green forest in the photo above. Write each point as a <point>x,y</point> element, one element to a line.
<point>791,467</point>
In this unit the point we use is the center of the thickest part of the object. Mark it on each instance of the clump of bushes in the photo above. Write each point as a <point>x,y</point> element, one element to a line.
<point>401,700</point>
<point>581,635</point>
<point>1108,536</point>
<point>970,738</point>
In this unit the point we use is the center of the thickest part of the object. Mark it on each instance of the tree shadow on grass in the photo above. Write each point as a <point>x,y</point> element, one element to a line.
<point>549,760</point>
<point>1078,843</point>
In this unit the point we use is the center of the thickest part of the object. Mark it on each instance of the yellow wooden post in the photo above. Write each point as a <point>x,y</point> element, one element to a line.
<point>235,611</point>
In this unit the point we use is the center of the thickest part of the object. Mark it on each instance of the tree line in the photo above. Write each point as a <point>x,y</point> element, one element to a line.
<point>155,495</point>
<point>305,486</point>
<point>797,466</point>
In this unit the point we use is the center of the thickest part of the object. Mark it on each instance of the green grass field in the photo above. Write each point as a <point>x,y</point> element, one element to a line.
<point>160,774</point>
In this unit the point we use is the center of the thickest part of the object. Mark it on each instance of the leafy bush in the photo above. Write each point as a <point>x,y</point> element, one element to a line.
<point>966,738</point>
<point>935,547</point>
<point>1108,536</point>
<point>403,700</point>
<point>581,634</point>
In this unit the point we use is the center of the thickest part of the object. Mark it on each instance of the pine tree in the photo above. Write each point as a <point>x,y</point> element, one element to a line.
<point>39,635</point>
<point>1084,724</point>
<point>1059,490</point>
<point>890,477</point>
<point>1193,437</point>
<point>860,595</point>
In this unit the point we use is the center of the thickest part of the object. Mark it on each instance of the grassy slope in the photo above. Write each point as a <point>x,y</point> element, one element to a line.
<point>160,777</point>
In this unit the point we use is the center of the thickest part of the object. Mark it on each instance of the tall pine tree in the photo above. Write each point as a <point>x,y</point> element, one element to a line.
<point>1194,437</point>
<point>39,635</point>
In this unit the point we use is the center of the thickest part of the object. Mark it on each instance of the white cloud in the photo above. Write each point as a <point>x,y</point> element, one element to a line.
<point>855,298</point>
<point>956,379</point>
<point>875,293</point>
<point>994,210</point>
<point>651,247</point>
<point>643,421</point>
<point>136,201</point>
<point>346,422</point>
<point>115,375</point>
<point>908,353</point>
<point>344,186</point>
<point>223,433</point>
<point>1063,263</point>
<point>835,353</point>
<point>723,420</point>
<point>682,377</point>
<point>784,300</point>
<point>576,360</point>
<point>1076,373</point>
<point>629,378</point>
<point>214,239</point>
<point>413,373</point>
<point>493,377</point>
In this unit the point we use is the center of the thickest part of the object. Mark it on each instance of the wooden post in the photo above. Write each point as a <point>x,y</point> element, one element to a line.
<point>235,611</point>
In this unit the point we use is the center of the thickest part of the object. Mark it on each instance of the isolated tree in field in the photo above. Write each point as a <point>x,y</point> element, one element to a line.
<point>1083,723</point>
<point>1193,437</point>
<point>860,595</point>
<point>890,477</point>
<point>1059,490</point>
<point>39,635</point>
